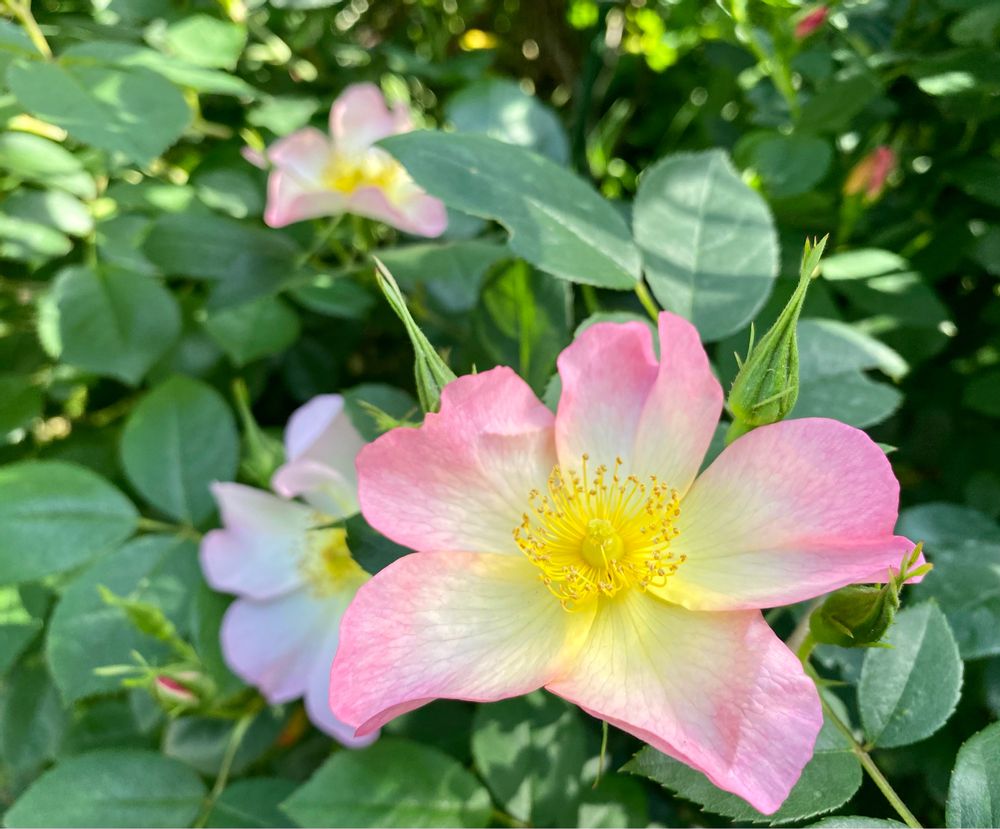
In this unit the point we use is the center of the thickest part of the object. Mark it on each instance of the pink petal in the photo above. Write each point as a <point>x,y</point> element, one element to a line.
<point>462,480</point>
<point>304,154</point>
<point>321,445</point>
<point>453,625</point>
<point>417,213</point>
<point>718,691</point>
<point>359,118</point>
<point>256,553</point>
<point>255,157</point>
<point>279,644</point>
<point>290,200</point>
<point>618,402</point>
<point>787,512</point>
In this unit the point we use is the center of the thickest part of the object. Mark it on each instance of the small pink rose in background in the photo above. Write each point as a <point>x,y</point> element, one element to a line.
<point>290,566</point>
<point>317,174</point>
<point>811,22</point>
<point>869,175</point>
<point>583,552</point>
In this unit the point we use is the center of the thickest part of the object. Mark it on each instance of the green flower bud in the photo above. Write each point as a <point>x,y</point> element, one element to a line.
<point>262,453</point>
<point>767,386</point>
<point>856,616</point>
<point>432,373</point>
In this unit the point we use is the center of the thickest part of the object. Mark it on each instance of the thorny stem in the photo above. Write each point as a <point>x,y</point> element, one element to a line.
<point>859,751</point>
<point>647,301</point>
<point>21,9</point>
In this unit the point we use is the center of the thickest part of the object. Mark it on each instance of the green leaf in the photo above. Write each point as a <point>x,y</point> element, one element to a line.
<point>201,742</point>
<point>939,523</point>
<point>20,403</point>
<point>980,178</point>
<point>974,792</point>
<point>206,41</point>
<point>130,56</point>
<point>109,321</point>
<point>135,112</point>
<point>30,240</point>
<point>530,751</point>
<point>87,633</point>
<point>852,822</point>
<point>556,221</point>
<point>372,550</point>
<point>835,104</point>
<point>55,516</point>
<point>524,320</point>
<point>119,243</point>
<point>618,801</point>
<point>861,264</point>
<point>111,788</point>
<point>707,239</point>
<point>391,783</point>
<point>829,780</point>
<point>32,722</point>
<point>982,394</point>
<point>394,402</point>
<point>232,190</point>
<point>247,260</point>
<point>177,441</point>
<point>54,208</point>
<point>788,165</point>
<point>833,357</point>
<point>14,638</point>
<point>36,159</point>
<point>260,328</point>
<point>453,273</point>
<point>904,298</point>
<point>252,802</point>
<point>499,108</point>
<point>335,295</point>
<point>908,691</point>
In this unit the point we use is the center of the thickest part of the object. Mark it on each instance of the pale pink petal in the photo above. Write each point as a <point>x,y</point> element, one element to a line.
<point>255,157</point>
<point>787,512</point>
<point>618,402</point>
<point>462,480</point>
<point>277,645</point>
<point>291,200</point>
<point>718,691</point>
<point>416,213</point>
<point>453,625</point>
<point>321,444</point>
<point>257,551</point>
<point>359,118</point>
<point>317,698</point>
<point>304,154</point>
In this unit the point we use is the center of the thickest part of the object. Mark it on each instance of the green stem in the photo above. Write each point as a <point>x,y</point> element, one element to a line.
<point>604,753</point>
<point>647,301</point>
<point>775,67</point>
<point>736,430</point>
<point>21,9</point>
<point>590,299</point>
<point>235,740</point>
<point>864,757</point>
<point>322,239</point>
<point>507,820</point>
<point>151,525</point>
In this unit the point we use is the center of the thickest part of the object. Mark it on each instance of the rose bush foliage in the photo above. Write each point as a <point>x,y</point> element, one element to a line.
<point>204,209</point>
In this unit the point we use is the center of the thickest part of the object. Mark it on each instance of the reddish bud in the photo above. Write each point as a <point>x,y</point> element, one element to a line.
<point>811,22</point>
<point>869,175</point>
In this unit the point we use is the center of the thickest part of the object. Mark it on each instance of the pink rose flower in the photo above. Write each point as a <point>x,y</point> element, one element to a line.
<point>584,553</point>
<point>290,565</point>
<point>314,174</point>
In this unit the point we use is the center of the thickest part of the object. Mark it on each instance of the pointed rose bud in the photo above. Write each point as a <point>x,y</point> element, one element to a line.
<point>810,22</point>
<point>858,616</point>
<point>868,177</point>
<point>767,386</point>
<point>432,373</point>
<point>173,691</point>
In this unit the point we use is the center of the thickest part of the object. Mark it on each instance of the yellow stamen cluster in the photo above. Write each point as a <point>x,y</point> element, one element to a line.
<point>326,562</point>
<point>373,168</point>
<point>596,535</point>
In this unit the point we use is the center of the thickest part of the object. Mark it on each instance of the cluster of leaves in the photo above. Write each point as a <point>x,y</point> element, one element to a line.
<point>589,146</point>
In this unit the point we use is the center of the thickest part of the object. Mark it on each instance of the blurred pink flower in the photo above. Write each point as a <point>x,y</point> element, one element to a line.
<point>869,175</point>
<point>314,174</point>
<point>290,565</point>
<point>582,552</point>
<point>811,22</point>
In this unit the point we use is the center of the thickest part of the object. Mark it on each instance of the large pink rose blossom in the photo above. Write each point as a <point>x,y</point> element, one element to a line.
<point>314,174</point>
<point>582,552</point>
<point>290,566</point>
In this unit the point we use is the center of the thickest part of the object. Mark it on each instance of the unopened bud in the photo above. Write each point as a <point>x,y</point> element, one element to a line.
<point>174,691</point>
<point>810,22</point>
<point>868,176</point>
<point>432,373</point>
<point>767,386</point>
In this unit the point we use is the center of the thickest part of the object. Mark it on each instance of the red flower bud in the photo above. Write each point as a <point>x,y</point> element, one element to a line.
<point>869,175</point>
<point>811,22</point>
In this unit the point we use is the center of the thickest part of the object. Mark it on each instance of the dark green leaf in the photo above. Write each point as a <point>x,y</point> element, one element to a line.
<point>260,328</point>
<point>252,802</point>
<point>974,793</point>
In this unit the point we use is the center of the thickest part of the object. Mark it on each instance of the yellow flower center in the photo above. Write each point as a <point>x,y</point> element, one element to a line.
<point>374,168</point>
<point>595,535</point>
<point>327,564</point>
